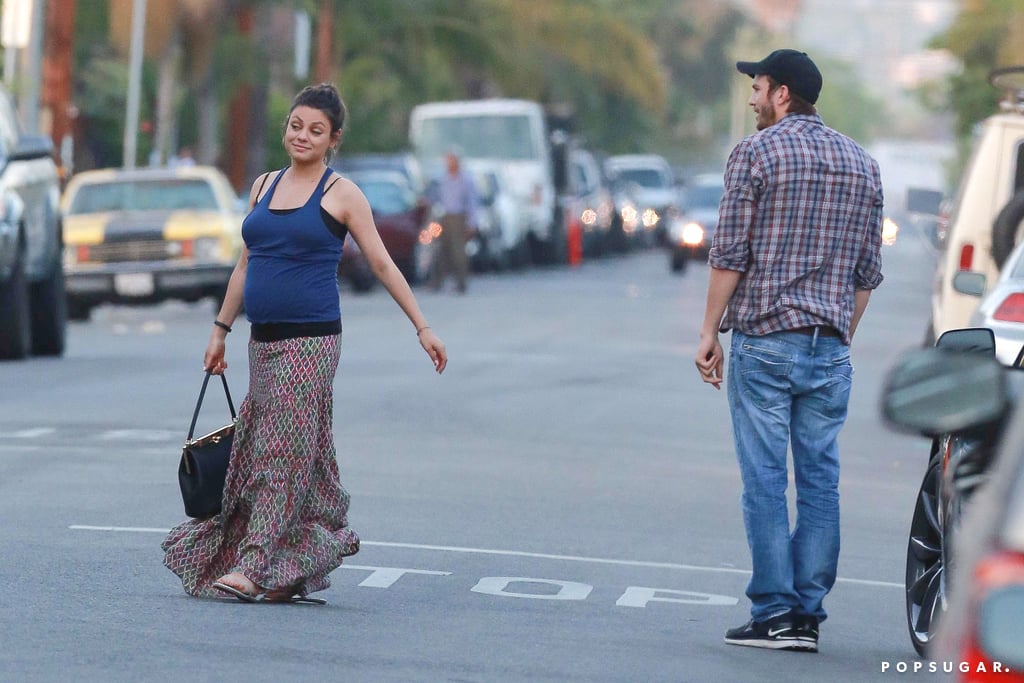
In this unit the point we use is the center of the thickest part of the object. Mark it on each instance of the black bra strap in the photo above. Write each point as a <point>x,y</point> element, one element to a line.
<point>332,184</point>
<point>260,191</point>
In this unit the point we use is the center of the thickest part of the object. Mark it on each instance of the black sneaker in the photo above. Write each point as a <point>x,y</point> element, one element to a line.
<point>806,628</point>
<point>777,633</point>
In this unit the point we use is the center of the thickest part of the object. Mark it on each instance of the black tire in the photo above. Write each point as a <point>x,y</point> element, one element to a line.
<point>80,312</point>
<point>929,333</point>
<point>362,282</point>
<point>519,256</point>
<point>679,261</point>
<point>49,314</point>
<point>1006,228</point>
<point>15,318</point>
<point>925,581</point>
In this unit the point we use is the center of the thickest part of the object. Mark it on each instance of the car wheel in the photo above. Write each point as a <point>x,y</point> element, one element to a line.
<point>15,321</point>
<point>362,282</point>
<point>925,585</point>
<point>49,314</point>
<point>519,255</point>
<point>1006,228</point>
<point>80,312</point>
<point>679,260</point>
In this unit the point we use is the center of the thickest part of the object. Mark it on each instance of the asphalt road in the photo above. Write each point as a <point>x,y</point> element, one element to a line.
<point>561,505</point>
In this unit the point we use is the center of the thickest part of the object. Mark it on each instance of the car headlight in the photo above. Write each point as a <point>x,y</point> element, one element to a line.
<point>630,218</point>
<point>650,218</point>
<point>890,229</point>
<point>692,234</point>
<point>207,249</point>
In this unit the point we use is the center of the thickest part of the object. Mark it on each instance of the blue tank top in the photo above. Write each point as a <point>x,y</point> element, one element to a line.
<point>292,276</point>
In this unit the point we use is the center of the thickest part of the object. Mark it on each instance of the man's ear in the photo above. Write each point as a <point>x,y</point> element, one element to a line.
<point>782,93</point>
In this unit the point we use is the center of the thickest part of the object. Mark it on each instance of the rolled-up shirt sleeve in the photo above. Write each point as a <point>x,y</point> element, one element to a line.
<point>730,247</point>
<point>868,272</point>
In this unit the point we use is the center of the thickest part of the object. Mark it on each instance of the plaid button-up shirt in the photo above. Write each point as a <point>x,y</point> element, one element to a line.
<point>801,218</point>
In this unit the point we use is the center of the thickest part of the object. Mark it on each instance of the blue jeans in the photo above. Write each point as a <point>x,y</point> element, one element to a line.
<point>788,388</point>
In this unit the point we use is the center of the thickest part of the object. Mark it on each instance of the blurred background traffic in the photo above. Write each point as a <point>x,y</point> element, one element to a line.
<point>591,128</point>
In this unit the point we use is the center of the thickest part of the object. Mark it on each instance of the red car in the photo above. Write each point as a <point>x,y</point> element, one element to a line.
<point>400,215</point>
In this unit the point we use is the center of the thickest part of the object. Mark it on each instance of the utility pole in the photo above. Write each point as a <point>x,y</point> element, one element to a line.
<point>238,112</point>
<point>57,72</point>
<point>324,68</point>
<point>33,69</point>
<point>131,121</point>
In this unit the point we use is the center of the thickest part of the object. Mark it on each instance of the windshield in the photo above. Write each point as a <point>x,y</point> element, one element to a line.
<point>170,194</point>
<point>704,196</point>
<point>644,177</point>
<point>385,197</point>
<point>478,136</point>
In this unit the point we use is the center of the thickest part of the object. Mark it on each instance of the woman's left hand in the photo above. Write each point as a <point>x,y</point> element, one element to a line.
<point>434,348</point>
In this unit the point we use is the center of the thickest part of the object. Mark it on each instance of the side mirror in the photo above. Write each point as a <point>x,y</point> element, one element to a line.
<point>937,391</point>
<point>968,340</point>
<point>969,283</point>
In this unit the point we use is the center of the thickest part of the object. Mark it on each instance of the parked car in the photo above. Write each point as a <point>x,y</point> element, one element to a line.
<point>981,630</point>
<point>400,215</point>
<point>960,458</point>
<point>984,218</point>
<point>592,202</point>
<point>400,162</point>
<point>148,235</point>
<point>33,314</point>
<point>649,180</point>
<point>1002,308</point>
<point>691,230</point>
<point>500,240</point>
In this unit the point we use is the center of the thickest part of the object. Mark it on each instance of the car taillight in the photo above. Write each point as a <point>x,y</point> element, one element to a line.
<point>1012,309</point>
<point>982,657</point>
<point>83,253</point>
<point>966,256</point>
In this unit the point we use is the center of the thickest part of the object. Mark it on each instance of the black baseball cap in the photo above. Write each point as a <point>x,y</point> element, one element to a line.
<point>791,68</point>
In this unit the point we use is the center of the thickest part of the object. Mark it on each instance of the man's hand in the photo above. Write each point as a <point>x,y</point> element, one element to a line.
<point>709,360</point>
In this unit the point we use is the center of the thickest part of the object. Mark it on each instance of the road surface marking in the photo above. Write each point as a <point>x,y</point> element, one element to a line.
<point>520,553</point>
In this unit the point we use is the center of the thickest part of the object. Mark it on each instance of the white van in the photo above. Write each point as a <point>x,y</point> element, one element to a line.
<point>504,134</point>
<point>994,175</point>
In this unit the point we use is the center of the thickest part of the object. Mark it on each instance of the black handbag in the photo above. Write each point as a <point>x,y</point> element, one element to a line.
<point>204,462</point>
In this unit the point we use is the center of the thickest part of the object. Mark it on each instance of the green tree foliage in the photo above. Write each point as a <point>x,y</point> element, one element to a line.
<point>985,34</point>
<point>636,74</point>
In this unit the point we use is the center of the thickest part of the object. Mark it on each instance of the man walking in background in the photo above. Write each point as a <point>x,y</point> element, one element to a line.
<point>795,256</point>
<point>456,193</point>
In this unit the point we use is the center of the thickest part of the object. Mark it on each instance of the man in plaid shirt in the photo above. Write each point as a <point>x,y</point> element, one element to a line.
<point>794,259</point>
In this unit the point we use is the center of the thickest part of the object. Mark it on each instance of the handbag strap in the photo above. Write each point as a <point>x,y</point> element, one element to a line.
<point>199,403</point>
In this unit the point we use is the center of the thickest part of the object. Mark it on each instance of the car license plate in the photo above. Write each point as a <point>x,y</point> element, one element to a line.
<point>133,284</point>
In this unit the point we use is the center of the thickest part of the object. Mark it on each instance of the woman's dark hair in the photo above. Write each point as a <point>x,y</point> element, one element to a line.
<point>324,97</point>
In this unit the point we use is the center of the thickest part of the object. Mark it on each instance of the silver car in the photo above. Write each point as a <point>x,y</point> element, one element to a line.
<point>1001,308</point>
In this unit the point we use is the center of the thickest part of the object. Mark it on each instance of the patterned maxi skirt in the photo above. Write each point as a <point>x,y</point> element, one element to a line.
<point>284,518</point>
